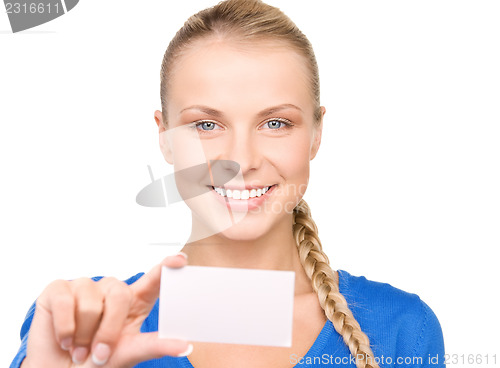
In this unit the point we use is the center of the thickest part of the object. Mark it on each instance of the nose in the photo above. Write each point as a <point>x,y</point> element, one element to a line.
<point>243,148</point>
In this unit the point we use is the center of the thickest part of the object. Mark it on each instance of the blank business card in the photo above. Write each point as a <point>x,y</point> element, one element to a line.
<point>227,305</point>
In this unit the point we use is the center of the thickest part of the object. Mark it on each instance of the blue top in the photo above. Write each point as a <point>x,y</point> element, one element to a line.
<point>402,329</point>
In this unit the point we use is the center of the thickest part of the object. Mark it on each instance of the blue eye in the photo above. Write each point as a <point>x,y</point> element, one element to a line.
<point>207,125</point>
<point>275,124</point>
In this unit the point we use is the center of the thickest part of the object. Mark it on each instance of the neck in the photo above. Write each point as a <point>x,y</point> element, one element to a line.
<point>274,250</point>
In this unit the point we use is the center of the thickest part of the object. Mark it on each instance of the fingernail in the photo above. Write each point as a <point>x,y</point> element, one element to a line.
<point>188,351</point>
<point>79,354</point>
<point>66,343</point>
<point>183,254</point>
<point>101,354</point>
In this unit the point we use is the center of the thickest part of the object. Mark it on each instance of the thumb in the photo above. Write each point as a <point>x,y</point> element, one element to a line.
<point>147,288</point>
<point>147,346</point>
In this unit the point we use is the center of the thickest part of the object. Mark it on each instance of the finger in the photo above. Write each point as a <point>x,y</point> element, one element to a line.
<point>116,307</point>
<point>147,288</point>
<point>147,346</point>
<point>175,261</point>
<point>60,302</point>
<point>89,308</point>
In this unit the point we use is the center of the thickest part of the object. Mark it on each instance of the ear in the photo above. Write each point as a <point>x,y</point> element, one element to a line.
<point>163,138</point>
<point>317,135</point>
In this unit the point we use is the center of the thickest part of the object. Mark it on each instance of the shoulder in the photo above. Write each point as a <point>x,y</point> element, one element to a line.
<point>398,320</point>
<point>377,294</point>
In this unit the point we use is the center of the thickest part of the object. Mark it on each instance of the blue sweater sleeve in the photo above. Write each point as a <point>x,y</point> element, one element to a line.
<point>21,354</point>
<point>403,330</point>
<point>430,343</point>
<point>418,337</point>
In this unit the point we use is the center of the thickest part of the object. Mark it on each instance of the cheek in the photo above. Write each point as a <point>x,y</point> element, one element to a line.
<point>292,155</point>
<point>187,149</point>
<point>190,164</point>
<point>297,177</point>
<point>291,161</point>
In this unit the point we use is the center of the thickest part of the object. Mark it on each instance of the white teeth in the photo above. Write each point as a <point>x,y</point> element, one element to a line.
<point>240,194</point>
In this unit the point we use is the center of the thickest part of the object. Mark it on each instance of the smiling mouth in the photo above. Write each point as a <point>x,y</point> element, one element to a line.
<point>242,194</point>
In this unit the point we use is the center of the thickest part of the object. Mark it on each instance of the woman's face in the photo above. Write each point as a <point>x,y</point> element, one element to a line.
<point>247,104</point>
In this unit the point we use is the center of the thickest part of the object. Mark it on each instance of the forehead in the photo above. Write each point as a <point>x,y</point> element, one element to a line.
<point>227,74</point>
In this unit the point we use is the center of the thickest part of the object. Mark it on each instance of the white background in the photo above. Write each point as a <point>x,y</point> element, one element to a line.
<point>404,188</point>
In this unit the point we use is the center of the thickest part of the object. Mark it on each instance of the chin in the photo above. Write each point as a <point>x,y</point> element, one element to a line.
<point>255,226</point>
<point>244,231</point>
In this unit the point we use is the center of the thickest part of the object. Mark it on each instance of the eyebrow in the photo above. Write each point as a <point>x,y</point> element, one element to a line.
<point>218,114</point>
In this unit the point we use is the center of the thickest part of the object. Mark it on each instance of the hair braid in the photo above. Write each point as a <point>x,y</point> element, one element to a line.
<point>325,283</point>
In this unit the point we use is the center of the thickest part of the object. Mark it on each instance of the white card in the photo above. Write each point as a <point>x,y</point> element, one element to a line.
<point>227,305</point>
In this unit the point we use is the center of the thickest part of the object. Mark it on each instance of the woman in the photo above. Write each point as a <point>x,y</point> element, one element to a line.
<point>244,80</point>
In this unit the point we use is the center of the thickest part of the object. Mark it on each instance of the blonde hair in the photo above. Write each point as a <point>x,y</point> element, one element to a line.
<point>325,283</point>
<point>250,21</point>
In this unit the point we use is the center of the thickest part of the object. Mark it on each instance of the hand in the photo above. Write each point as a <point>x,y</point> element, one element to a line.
<point>86,323</point>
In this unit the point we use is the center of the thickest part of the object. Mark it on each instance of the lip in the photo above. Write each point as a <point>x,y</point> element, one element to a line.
<point>248,187</point>
<point>244,204</point>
